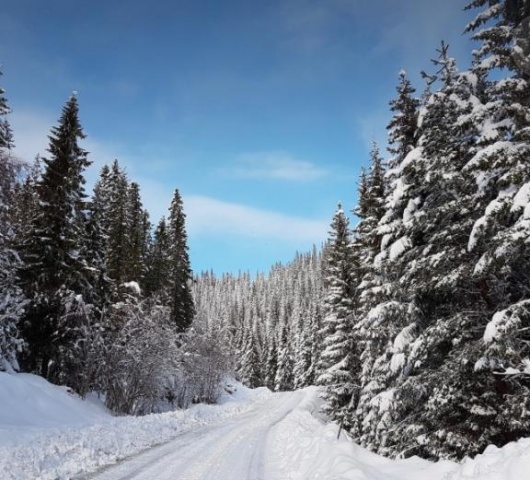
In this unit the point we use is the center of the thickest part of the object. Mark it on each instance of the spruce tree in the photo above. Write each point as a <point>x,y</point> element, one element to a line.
<point>180,275</point>
<point>11,299</point>
<point>55,276</point>
<point>499,237</point>
<point>250,371</point>
<point>138,231</point>
<point>284,373</point>
<point>384,308</point>
<point>116,223</point>
<point>337,357</point>
<point>366,246</point>
<point>432,342</point>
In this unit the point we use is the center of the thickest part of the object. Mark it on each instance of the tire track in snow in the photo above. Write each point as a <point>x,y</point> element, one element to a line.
<point>235,450</point>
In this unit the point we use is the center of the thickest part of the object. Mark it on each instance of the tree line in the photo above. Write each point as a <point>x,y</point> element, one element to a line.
<point>90,297</point>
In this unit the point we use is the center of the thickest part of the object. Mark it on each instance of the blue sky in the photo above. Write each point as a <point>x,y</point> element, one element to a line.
<point>260,112</point>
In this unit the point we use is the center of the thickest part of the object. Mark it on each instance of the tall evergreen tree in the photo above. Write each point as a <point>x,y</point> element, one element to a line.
<point>11,299</point>
<point>138,231</point>
<point>436,337</point>
<point>337,357</point>
<point>499,237</point>
<point>284,379</point>
<point>116,223</point>
<point>180,298</point>
<point>383,307</point>
<point>55,274</point>
<point>366,246</point>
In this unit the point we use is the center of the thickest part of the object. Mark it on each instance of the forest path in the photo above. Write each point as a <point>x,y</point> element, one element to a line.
<point>239,449</point>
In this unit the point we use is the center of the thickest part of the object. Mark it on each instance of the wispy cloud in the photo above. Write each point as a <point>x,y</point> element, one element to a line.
<point>309,25</point>
<point>274,166</point>
<point>209,216</point>
<point>418,30</point>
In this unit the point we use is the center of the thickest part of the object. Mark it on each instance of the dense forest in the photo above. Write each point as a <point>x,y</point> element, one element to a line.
<point>93,297</point>
<point>415,319</point>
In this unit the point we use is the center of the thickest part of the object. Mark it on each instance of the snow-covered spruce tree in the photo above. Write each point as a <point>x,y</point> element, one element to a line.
<point>97,240</point>
<point>366,244</point>
<point>337,360</point>
<point>180,275</point>
<point>54,269</point>
<point>384,307</point>
<point>250,370</point>
<point>284,379</point>
<point>303,373</point>
<point>499,238</point>
<point>11,299</point>
<point>123,226</point>
<point>6,135</point>
<point>433,343</point>
<point>367,239</point>
<point>271,360</point>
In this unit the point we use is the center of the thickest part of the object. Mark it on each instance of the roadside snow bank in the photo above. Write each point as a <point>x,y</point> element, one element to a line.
<point>511,462</point>
<point>306,448</point>
<point>35,444</point>
<point>30,404</point>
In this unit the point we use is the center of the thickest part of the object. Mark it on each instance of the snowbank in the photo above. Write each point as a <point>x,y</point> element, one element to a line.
<point>307,447</point>
<point>29,405</point>
<point>47,433</point>
<point>511,462</point>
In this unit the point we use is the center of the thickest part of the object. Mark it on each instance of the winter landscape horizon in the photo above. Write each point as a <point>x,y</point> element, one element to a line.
<point>265,241</point>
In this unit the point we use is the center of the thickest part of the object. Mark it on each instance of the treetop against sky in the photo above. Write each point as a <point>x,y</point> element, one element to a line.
<point>261,113</point>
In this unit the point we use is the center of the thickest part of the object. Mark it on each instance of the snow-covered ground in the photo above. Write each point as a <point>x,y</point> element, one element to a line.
<point>48,433</point>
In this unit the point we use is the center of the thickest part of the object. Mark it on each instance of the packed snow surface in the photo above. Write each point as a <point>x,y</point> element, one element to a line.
<point>48,433</point>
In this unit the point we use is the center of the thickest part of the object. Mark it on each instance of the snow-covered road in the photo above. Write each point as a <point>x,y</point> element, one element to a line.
<point>235,450</point>
<point>281,438</point>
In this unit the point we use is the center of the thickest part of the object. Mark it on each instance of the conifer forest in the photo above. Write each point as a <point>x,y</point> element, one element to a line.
<point>413,316</point>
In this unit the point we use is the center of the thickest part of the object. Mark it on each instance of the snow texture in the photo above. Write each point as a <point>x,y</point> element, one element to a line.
<point>48,433</point>
<point>399,247</point>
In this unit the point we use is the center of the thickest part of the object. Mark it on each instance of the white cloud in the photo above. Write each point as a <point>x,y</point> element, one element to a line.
<point>275,166</point>
<point>209,216</point>
<point>205,215</point>
<point>31,130</point>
